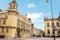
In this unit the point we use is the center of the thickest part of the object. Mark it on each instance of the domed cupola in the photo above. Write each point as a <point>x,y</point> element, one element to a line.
<point>13,5</point>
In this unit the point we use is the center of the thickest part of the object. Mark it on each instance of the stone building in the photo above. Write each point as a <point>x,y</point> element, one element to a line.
<point>14,24</point>
<point>48,23</point>
<point>37,32</point>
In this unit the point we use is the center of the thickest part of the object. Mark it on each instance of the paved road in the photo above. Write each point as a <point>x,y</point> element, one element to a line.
<point>40,38</point>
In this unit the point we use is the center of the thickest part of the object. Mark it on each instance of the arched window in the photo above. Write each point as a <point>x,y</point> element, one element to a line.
<point>10,5</point>
<point>48,31</point>
<point>57,24</point>
<point>13,6</point>
<point>7,29</point>
<point>48,25</point>
<point>4,21</point>
<point>52,24</point>
<point>59,31</point>
<point>2,29</point>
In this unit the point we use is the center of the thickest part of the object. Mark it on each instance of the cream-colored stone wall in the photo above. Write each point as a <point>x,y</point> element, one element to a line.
<point>37,32</point>
<point>14,22</point>
<point>50,28</point>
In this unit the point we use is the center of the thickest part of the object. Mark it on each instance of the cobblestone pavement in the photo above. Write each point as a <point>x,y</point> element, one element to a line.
<point>40,38</point>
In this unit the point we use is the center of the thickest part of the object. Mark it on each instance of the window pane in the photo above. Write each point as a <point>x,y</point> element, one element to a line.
<point>52,24</point>
<point>13,6</point>
<point>4,21</point>
<point>57,24</point>
<point>2,29</point>
<point>48,31</point>
<point>48,25</point>
<point>7,30</point>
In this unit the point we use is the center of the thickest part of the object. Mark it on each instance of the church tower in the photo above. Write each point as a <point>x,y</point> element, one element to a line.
<point>13,5</point>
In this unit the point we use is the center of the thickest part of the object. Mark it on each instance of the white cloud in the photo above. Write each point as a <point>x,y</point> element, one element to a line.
<point>34,16</point>
<point>37,19</point>
<point>31,5</point>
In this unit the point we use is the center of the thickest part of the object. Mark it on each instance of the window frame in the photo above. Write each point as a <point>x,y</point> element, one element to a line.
<point>57,24</point>
<point>48,25</point>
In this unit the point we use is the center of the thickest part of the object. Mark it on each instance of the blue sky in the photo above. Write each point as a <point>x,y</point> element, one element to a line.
<point>35,9</point>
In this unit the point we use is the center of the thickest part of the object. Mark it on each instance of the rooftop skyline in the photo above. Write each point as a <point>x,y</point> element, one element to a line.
<point>35,9</point>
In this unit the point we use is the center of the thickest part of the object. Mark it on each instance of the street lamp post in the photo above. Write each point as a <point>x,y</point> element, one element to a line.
<point>52,19</point>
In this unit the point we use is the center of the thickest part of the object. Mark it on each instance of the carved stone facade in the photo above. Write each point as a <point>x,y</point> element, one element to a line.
<point>13,23</point>
<point>48,26</point>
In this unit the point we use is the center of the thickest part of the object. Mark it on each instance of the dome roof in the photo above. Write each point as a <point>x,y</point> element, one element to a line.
<point>14,1</point>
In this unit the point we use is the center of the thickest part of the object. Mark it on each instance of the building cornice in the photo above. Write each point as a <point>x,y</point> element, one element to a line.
<point>13,10</point>
<point>51,19</point>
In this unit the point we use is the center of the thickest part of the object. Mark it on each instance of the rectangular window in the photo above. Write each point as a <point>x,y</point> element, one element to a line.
<point>13,6</point>
<point>7,30</point>
<point>48,25</point>
<point>18,22</point>
<point>48,31</point>
<point>52,24</point>
<point>57,24</point>
<point>2,29</point>
<point>4,21</point>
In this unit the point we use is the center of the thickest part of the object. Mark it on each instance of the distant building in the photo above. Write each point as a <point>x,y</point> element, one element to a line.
<point>37,32</point>
<point>14,24</point>
<point>48,26</point>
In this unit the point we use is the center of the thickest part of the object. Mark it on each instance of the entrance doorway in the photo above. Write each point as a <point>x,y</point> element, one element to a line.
<point>2,36</point>
<point>18,32</point>
<point>59,33</point>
